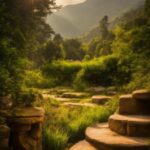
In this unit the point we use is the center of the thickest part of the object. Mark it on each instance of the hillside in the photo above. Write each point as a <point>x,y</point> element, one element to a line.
<point>125,17</point>
<point>74,20</point>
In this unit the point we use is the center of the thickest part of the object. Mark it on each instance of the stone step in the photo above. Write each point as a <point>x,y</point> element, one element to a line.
<point>83,145</point>
<point>130,106</point>
<point>105,139</point>
<point>100,99</point>
<point>73,95</point>
<point>130,125</point>
<point>141,95</point>
<point>69,104</point>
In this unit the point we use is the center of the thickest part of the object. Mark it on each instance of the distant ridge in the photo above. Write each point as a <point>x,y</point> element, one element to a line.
<point>75,20</point>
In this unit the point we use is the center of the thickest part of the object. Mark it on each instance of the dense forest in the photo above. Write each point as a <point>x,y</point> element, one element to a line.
<point>33,56</point>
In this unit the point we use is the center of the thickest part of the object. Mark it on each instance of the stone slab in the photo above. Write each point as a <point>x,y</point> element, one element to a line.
<point>130,125</point>
<point>130,106</point>
<point>83,145</point>
<point>73,95</point>
<point>26,120</point>
<point>105,139</point>
<point>141,94</point>
<point>100,99</point>
<point>28,112</point>
<point>4,131</point>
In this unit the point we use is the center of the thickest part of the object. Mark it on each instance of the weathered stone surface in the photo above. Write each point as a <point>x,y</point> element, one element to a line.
<point>105,139</point>
<point>20,127</point>
<point>100,99</point>
<point>83,145</point>
<point>73,95</point>
<point>4,131</point>
<point>79,104</point>
<point>96,90</point>
<point>119,126</point>
<point>130,125</point>
<point>5,102</point>
<point>26,128</point>
<point>28,112</point>
<point>4,143</point>
<point>130,106</point>
<point>26,120</point>
<point>141,94</point>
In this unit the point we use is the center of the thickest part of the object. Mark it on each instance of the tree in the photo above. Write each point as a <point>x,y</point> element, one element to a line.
<point>22,25</point>
<point>104,27</point>
<point>73,49</point>
<point>51,51</point>
<point>147,7</point>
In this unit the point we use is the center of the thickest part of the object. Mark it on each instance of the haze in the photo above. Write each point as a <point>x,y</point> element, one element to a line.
<point>68,2</point>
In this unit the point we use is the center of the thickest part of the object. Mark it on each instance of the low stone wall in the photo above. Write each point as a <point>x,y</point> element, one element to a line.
<point>23,130</point>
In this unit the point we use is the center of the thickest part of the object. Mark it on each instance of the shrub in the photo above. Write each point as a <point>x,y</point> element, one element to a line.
<point>62,72</point>
<point>103,71</point>
<point>28,97</point>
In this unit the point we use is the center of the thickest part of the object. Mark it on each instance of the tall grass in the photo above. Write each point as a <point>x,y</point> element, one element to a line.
<point>67,125</point>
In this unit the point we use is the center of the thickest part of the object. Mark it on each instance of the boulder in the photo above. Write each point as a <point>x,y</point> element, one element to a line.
<point>4,137</point>
<point>26,128</point>
<point>96,90</point>
<point>28,112</point>
<point>5,102</point>
<point>73,95</point>
<point>4,131</point>
<point>100,99</point>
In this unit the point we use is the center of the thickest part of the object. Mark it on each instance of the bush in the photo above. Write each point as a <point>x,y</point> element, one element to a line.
<point>62,72</point>
<point>28,97</point>
<point>35,79</point>
<point>104,71</point>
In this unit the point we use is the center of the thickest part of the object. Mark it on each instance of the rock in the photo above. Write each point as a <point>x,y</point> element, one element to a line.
<point>4,144</point>
<point>25,120</point>
<point>4,137</point>
<point>131,106</point>
<point>111,91</point>
<point>105,139</point>
<point>130,125</point>
<point>96,90</point>
<point>141,94</point>
<point>100,99</point>
<point>5,102</point>
<point>26,128</point>
<point>4,131</point>
<point>28,112</point>
<point>73,95</point>
<point>79,104</point>
<point>83,145</point>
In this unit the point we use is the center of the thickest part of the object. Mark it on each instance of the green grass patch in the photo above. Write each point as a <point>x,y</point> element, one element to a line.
<point>65,126</point>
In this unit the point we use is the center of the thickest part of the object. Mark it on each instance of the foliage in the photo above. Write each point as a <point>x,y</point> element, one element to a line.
<point>62,72</point>
<point>28,97</point>
<point>23,29</point>
<point>73,49</point>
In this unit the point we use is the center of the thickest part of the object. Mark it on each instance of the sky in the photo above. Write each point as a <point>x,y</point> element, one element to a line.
<point>68,2</point>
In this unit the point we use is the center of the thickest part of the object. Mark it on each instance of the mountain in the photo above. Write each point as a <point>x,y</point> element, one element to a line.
<point>128,16</point>
<point>74,20</point>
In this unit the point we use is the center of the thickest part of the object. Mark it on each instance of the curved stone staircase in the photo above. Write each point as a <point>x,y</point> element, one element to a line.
<point>128,129</point>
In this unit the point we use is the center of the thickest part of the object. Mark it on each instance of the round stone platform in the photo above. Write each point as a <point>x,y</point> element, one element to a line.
<point>83,145</point>
<point>130,125</point>
<point>105,139</point>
